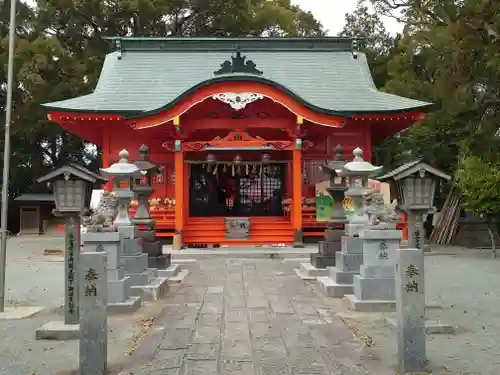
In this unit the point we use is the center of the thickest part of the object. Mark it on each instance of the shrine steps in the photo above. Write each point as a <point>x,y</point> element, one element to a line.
<point>263,230</point>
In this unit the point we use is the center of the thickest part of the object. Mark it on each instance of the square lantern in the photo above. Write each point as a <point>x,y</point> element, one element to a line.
<point>72,185</point>
<point>415,184</point>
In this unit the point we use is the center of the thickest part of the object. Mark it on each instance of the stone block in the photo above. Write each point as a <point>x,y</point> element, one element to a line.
<point>159,262</point>
<point>377,272</point>
<point>410,310</point>
<point>100,237</point>
<point>57,330</point>
<point>131,246</point>
<point>309,271</point>
<point>171,271</point>
<point>353,303</point>
<point>131,305</point>
<point>432,327</point>
<point>332,289</point>
<point>341,277</point>
<point>374,289</point>
<point>93,314</point>
<point>147,235</point>
<point>136,263</point>
<point>19,312</point>
<point>351,245</point>
<point>179,277</point>
<point>320,261</point>
<point>334,235</point>
<point>116,274</point>
<point>353,229</point>
<point>152,291</point>
<point>379,247</point>
<point>348,262</point>
<point>118,290</point>
<point>142,278</point>
<point>113,252</point>
<point>328,249</point>
<point>152,248</point>
<point>128,231</point>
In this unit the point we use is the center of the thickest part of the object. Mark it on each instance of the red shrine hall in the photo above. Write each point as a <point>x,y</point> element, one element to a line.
<point>239,127</point>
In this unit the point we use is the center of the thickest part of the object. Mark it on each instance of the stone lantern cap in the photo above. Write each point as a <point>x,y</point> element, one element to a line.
<point>360,167</point>
<point>72,171</point>
<point>122,169</point>
<point>413,167</point>
<point>337,163</point>
<point>144,163</point>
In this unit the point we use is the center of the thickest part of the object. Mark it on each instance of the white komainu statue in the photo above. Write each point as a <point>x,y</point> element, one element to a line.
<point>101,219</point>
<point>380,214</point>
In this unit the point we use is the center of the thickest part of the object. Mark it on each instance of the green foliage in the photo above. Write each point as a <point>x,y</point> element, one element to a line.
<point>479,182</point>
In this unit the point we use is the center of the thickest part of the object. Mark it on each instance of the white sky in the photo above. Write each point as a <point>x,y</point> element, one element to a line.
<point>331,13</point>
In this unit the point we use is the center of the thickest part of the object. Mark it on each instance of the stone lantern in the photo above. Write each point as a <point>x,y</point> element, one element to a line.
<point>72,185</point>
<point>123,171</point>
<point>143,191</point>
<point>357,172</point>
<point>337,186</point>
<point>415,183</point>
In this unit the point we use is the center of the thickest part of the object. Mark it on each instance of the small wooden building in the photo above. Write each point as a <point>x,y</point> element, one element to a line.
<point>35,213</point>
<point>239,127</point>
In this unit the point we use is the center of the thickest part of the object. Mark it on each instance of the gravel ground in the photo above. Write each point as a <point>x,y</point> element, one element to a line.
<point>36,280</point>
<point>462,290</point>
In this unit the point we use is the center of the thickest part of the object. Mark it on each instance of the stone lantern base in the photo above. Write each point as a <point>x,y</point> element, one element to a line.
<point>348,261</point>
<point>154,249</point>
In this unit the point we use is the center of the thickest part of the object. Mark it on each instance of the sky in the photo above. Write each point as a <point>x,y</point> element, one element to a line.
<point>331,14</point>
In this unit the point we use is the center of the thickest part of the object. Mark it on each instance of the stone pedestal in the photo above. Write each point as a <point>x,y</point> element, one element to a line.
<point>327,249</point>
<point>119,285</point>
<point>133,260</point>
<point>152,247</point>
<point>374,287</point>
<point>347,264</point>
<point>145,281</point>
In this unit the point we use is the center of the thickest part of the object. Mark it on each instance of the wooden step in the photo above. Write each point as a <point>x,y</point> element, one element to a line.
<point>253,241</point>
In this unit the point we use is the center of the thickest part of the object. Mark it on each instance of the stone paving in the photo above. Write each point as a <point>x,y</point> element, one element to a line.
<point>243,317</point>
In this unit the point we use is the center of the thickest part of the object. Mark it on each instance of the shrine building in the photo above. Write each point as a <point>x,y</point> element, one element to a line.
<point>239,127</point>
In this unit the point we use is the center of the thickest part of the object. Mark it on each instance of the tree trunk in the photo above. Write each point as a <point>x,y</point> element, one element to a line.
<point>492,236</point>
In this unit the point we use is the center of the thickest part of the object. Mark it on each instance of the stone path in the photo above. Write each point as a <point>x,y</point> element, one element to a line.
<point>246,317</point>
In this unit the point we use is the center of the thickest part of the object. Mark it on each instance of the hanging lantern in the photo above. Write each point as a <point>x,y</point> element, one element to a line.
<point>237,162</point>
<point>266,158</point>
<point>211,159</point>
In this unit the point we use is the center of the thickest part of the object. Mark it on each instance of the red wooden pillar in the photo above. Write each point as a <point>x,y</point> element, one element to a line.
<point>297,193</point>
<point>179,193</point>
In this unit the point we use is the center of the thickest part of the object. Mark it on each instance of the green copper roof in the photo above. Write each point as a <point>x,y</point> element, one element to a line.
<point>149,74</point>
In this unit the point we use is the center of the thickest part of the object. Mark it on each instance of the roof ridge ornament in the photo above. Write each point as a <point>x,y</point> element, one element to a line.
<point>118,47</point>
<point>238,65</point>
<point>355,48</point>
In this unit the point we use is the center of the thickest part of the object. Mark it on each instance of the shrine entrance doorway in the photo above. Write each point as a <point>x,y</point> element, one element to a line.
<point>241,189</point>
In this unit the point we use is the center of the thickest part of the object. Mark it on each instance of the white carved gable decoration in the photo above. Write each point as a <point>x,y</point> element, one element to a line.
<point>238,101</point>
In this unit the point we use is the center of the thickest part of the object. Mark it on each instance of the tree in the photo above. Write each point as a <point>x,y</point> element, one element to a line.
<point>449,55</point>
<point>479,183</point>
<point>378,44</point>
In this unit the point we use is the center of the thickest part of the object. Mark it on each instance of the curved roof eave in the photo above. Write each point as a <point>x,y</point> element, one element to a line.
<point>136,114</point>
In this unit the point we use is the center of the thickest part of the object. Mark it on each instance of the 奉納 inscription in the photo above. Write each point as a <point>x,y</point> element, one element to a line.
<point>90,288</point>
<point>383,251</point>
<point>412,285</point>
